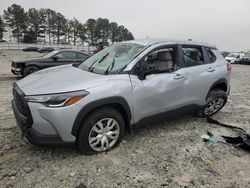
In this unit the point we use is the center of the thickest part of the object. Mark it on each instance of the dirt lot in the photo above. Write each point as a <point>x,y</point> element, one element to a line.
<point>169,154</point>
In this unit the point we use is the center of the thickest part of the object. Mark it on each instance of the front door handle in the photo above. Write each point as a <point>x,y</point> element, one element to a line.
<point>178,76</point>
<point>210,69</point>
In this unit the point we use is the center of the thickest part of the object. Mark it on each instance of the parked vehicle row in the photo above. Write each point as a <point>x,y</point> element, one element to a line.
<point>41,50</point>
<point>244,60</point>
<point>55,58</point>
<point>126,84</point>
<point>238,58</point>
<point>234,57</point>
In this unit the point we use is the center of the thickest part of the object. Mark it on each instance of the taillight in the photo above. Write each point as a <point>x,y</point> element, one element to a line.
<point>229,66</point>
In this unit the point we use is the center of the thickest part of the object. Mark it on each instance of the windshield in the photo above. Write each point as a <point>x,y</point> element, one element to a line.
<point>112,59</point>
<point>232,55</point>
<point>48,55</point>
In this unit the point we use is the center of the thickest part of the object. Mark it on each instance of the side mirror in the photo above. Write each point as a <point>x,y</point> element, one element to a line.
<point>238,56</point>
<point>55,58</point>
<point>146,69</point>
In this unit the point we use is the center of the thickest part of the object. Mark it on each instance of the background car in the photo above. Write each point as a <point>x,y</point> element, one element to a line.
<point>30,49</point>
<point>55,58</point>
<point>233,57</point>
<point>46,49</point>
<point>244,60</point>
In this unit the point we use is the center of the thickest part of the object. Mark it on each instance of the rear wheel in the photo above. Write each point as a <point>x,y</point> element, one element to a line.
<point>30,69</point>
<point>102,130</point>
<point>216,100</point>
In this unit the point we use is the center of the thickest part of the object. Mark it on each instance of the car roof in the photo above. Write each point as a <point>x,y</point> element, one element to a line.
<point>150,42</point>
<point>70,50</point>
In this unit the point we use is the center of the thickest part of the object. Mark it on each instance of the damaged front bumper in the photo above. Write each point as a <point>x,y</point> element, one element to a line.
<point>16,71</point>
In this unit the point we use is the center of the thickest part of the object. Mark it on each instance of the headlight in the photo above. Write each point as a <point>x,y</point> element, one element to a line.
<point>58,100</point>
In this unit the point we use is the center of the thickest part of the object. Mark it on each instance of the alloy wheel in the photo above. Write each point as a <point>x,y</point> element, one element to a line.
<point>104,134</point>
<point>214,106</point>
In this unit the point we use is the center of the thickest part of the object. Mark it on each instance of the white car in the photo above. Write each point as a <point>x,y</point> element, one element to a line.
<point>233,57</point>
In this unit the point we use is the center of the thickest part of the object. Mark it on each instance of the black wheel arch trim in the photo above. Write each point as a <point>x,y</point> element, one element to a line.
<point>100,103</point>
<point>217,83</point>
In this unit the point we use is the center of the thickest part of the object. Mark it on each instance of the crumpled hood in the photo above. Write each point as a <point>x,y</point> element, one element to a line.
<point>60,79</point>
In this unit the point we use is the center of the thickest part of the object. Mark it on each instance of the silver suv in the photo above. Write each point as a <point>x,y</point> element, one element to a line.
<point>125,84</point>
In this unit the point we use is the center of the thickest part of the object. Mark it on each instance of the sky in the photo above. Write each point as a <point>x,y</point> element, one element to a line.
<point>225,23</point>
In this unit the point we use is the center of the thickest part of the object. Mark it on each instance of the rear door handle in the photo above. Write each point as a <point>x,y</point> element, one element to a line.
<point>178,76</point>
<point>210,69</point>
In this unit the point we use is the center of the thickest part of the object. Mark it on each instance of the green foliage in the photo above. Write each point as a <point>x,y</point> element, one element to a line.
<point>76,28</point>
<point>101,31</point>
<point>16,19</point>
<point>2,28</point>
<point>29,37</point>
<point>58,27</point>
<point>37,25</point>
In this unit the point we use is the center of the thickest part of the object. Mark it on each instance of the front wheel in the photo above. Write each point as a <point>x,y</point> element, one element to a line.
<point>30,69</point>
<point>216,100</point>
<point>102,130</point>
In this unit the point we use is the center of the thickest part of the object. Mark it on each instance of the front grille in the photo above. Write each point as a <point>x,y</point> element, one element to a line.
<point>20,101</point>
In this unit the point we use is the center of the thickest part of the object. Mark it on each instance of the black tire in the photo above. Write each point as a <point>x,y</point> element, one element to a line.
<point>213,96</point>
<point>30,69</point>
<point>82,140</point>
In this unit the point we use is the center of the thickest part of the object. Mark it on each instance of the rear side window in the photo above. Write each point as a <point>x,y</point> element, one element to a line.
<point>211,56</point>
<point>192,56</point>
<point>81,56</point>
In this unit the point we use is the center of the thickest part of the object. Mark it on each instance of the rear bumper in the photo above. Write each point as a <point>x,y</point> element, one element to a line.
<point>32,135</point>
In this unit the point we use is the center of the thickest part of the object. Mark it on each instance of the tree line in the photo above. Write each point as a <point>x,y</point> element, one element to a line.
<point>49,26</point>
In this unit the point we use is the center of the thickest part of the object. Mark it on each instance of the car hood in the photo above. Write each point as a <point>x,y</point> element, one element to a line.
<point>28,60</point>
<point>60,79</point>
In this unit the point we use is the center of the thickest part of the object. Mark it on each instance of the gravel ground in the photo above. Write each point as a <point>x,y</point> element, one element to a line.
<point>168,154</point>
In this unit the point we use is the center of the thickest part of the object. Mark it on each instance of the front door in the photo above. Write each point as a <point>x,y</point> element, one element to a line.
<point>161,91</point>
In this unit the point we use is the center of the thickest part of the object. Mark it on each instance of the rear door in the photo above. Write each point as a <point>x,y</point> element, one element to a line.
<point>199,73</point>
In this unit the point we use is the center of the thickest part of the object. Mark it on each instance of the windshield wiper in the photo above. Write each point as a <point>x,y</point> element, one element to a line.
<point>111,66</point>
<point>90,67</point>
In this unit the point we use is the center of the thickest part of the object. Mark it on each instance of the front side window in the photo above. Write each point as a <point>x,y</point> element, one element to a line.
<point>192,56</point>
<point>163,58</point>
<point>66,55</point>
<point>50,54</point>
<point>112,59</point>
